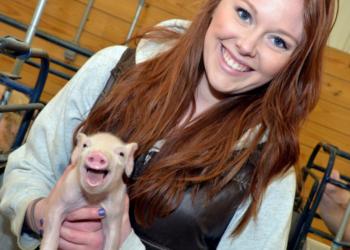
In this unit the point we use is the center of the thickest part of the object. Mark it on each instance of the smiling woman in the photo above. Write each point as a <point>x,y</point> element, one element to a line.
<point>249,42</point>
<point>215,107</point>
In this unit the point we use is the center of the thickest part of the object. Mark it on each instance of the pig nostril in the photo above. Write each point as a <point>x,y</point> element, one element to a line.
<point>96,158</point>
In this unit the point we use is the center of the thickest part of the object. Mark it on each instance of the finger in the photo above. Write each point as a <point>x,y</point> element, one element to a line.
<point>335,174</point>
<point>85,226</point>
<point>327,197</point>
<point>82,238</point>
<point>330,188</point>
<point>66,245</point>
<point>86,213</point>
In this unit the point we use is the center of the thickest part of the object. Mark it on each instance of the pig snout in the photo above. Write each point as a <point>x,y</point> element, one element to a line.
<point>96,160</point>
<point>96,165</point>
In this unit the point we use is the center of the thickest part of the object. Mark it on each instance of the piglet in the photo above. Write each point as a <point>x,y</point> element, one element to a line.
<point>98,163</point>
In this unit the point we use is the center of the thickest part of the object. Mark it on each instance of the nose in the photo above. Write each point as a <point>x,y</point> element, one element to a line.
<point>247,44</point>
<point>96,160</point>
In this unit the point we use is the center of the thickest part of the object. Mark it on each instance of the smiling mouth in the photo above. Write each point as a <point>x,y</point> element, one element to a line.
<point>95,177</point>
<point>232,63</point>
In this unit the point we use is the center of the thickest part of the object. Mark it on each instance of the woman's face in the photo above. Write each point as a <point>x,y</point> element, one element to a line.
<point>248,42</point>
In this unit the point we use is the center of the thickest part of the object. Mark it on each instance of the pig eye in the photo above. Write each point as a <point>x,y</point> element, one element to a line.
<point>121,154</point>
<point>85,145</point>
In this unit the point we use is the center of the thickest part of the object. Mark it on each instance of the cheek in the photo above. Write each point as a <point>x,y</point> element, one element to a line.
<point>272,63</point>
<point>209,48</point>
<point>223,24</point>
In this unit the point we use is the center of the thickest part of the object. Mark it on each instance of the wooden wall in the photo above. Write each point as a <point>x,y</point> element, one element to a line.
<point>109,23</point>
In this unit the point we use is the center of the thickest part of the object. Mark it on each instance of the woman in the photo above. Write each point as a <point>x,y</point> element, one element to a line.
<point>216,114</point>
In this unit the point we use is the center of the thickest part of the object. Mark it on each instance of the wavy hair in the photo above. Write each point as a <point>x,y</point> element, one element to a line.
<point>152,98</point>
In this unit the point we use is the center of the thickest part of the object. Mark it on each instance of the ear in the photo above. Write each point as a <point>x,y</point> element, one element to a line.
<point>131,149</point>
<point>81,137</point>
<point>81,140</point>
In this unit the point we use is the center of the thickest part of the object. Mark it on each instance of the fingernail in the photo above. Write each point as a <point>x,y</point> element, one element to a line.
<point>41,222</point>
<point>101,212</point>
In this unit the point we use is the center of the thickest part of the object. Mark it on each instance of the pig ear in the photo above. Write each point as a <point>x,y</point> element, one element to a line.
<point>131,149</point>
<point>81,140</point>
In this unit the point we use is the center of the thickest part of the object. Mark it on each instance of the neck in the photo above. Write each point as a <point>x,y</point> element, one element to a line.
<point>204,100</point>
<point>205,96</point>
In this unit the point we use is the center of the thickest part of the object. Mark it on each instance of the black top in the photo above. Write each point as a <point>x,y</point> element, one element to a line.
<point>193,225</point>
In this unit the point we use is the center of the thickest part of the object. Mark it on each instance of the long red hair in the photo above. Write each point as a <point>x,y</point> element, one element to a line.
<point>151,98</point>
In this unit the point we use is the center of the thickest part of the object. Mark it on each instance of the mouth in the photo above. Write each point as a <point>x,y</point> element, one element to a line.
<point>232,63</point>
<point>96,177</point>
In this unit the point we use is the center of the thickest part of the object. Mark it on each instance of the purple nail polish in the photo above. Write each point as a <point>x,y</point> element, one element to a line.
<point>41,222</point>
<point>102,212</point>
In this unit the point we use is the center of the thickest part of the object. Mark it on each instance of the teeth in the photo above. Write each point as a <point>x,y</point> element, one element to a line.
<point>232,63</point>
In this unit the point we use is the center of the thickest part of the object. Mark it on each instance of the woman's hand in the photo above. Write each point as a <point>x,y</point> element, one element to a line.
<point>334,196</point>
<point>82,229</point>
<point>333,204</point>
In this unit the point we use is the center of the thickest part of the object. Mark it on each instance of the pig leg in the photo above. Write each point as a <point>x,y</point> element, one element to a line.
<point>111,229</point>
<point>52,227</point>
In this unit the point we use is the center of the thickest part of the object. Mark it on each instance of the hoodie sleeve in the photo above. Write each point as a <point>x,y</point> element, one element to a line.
<point>271,227</point>
<point>33,169</point>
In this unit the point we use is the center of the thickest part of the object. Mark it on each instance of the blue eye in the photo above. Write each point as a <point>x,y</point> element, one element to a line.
<point>279,42</point>
<point>244,15</point>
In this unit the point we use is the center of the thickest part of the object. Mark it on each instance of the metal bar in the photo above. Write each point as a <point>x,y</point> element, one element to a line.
<point>13,47</point>
<point>28,40</point>
<point>43,73</point>
<point>306,215</point>
<point>51,71</point>
<point>136,18</point>
<point>30,33</point>
<point>35,92</point>
<point>34,97</point>
<point>3,160</point>
<point>311,159</point>
<point>310,208</point>
<point>339,184</point>
<point>322,169</point>
<point>321,233</point>
<point>21,107</point>
<point>15,85</point>
<point>64,65</point>
<point>341,153</point>
<point>342,228</point>
<point>41,34</point>
<point>69,54</point>
<point>83,21</point>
